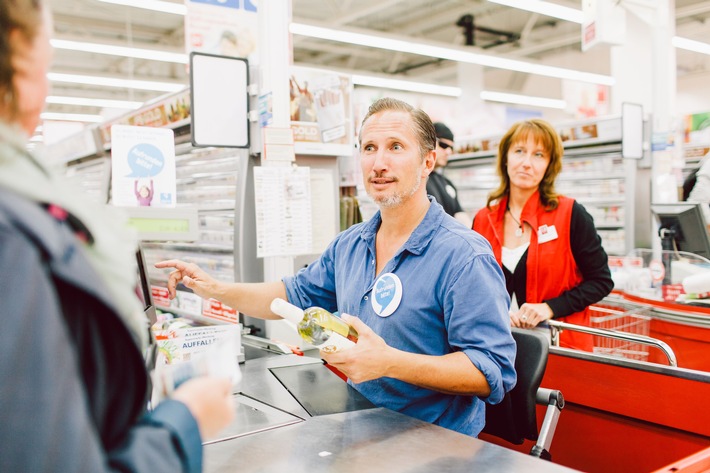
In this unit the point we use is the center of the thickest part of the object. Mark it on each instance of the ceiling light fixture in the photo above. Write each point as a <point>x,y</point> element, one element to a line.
<point>576,16</point>
<point>691,45</point>
<point>115,82</point>
<point>122,51</point>
<point>406,45</point>
<point>451,91</point>
<point>406,85</point>
<point>523,100</point>
<point>155,5</point>
<point>544,8</point>
<point>72,117</point>
<point>91,102</point>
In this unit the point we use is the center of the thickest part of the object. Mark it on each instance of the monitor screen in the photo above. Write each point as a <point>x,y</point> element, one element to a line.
<point>144,292</point>
<point>688,223</point>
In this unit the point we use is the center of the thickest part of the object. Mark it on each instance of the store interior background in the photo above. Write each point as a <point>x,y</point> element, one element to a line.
<point>520,35</point>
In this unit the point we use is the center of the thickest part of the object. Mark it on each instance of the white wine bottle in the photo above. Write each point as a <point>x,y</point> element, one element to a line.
<point>317,326</point>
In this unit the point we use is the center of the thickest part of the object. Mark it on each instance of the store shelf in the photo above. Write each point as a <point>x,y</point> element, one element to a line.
<point>322,149</point>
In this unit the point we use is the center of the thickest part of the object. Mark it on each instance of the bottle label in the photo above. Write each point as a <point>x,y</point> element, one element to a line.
<point>386,294</point>
<point>334,343</point>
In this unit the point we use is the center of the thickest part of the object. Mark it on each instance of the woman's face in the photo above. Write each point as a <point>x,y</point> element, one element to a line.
<point>31,62</point>
<point>527,162</point>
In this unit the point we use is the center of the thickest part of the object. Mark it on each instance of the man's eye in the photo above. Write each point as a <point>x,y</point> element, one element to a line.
<point>397,146</point>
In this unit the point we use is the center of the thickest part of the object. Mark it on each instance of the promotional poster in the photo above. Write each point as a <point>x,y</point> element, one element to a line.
<point>142,166</point>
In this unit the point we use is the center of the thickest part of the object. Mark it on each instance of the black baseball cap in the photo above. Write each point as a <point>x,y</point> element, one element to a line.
<point>443,131</point>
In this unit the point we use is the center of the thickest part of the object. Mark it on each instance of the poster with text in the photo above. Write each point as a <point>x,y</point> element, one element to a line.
<point>282,200</point>
<point>320,106</point>
<point>222,27</point>
<point>142,166</point>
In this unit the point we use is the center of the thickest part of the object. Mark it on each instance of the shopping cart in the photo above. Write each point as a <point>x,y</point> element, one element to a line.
<point>618,318</point>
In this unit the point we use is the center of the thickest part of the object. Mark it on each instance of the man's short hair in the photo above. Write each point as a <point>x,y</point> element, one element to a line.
<point>421,123</point>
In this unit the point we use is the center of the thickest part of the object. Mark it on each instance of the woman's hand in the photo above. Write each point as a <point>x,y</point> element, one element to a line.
<point>531,315</point>
<point>210,402</point>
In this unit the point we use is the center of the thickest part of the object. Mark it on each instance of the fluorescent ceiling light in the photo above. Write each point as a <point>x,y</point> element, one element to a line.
<point>406,45</point>
<point>544,8</point>
<point>123,51</point>
<point>72,117</point>
<point>411,86</point>
<point>574,15</point>
<point>155,5</point>
<point>89,102</point>
<point>115,82</point>
<point>691,45</point>
<point>523,100</point>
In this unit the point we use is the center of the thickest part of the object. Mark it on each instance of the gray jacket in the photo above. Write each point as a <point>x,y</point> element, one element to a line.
<point>73,385</point>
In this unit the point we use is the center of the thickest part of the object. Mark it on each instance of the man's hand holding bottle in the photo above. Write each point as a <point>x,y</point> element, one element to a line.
<point>367,360</point>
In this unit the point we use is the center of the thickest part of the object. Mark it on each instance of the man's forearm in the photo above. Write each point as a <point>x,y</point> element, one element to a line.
<point>252,299</point>
<point>451,374</point>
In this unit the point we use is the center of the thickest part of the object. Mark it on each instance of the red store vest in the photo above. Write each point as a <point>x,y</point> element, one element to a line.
<point>551,268</point>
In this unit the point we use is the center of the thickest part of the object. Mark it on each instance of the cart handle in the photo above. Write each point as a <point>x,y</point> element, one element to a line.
<point>556,327</point>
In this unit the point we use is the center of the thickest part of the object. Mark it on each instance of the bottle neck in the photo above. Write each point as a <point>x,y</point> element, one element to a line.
<point>287,310</point>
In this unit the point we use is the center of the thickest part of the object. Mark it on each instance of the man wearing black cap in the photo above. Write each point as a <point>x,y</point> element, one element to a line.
<point>439,186</point>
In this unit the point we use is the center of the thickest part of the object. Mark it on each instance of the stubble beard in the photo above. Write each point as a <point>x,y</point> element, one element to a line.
<point>396,198</point>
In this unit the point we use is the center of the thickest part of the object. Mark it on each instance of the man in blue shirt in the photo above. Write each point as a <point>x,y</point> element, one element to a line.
<point>428,298</point>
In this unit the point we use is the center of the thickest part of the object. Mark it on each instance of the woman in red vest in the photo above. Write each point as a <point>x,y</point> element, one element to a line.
<point>546,243</point>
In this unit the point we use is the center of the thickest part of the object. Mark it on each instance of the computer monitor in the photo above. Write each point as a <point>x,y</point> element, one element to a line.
<point>146,296</point>
<point>688,225</point>
<point>144,292</point>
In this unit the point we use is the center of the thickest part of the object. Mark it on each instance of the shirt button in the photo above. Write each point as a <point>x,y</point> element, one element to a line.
<point>365,297</point>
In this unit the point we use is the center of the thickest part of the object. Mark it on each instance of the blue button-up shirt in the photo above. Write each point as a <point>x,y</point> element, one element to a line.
<point>453,299</point>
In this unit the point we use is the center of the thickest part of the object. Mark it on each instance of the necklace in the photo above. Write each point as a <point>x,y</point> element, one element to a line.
<point>518,231</point>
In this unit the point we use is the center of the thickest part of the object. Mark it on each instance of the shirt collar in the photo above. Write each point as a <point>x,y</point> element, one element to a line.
<point>420,237</point>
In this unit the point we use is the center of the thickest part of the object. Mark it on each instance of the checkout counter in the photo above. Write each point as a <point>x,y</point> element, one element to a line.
<point>295,415</point>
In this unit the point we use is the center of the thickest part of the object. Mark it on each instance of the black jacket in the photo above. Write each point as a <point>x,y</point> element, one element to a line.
<point>444,192</point>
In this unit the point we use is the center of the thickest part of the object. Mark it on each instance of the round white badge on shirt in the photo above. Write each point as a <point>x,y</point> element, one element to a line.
<point>386,294</point>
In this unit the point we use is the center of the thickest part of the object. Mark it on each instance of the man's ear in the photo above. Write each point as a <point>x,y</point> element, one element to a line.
<point>429,162</point>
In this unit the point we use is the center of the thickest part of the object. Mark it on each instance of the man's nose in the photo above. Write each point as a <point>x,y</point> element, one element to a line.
<point>381,160</point>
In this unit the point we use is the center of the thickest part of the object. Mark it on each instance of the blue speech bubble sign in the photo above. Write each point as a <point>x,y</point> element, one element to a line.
<point>385,291</point>
<point>145,160</point>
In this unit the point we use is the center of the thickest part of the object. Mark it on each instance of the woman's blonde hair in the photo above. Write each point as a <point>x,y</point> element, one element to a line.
<point>25,16</point>
<point>543,133</point>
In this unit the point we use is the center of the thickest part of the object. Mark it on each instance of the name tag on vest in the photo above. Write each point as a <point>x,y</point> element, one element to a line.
<point>545,233</point>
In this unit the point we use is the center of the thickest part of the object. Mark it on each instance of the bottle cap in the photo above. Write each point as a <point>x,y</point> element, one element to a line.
<point>288,311</point>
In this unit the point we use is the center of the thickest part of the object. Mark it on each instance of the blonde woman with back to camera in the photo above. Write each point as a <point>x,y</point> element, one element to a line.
<point>74,385</point>
<point>546,243</point>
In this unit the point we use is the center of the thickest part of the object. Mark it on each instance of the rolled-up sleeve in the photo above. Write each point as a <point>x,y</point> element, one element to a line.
<point>476,308</point>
